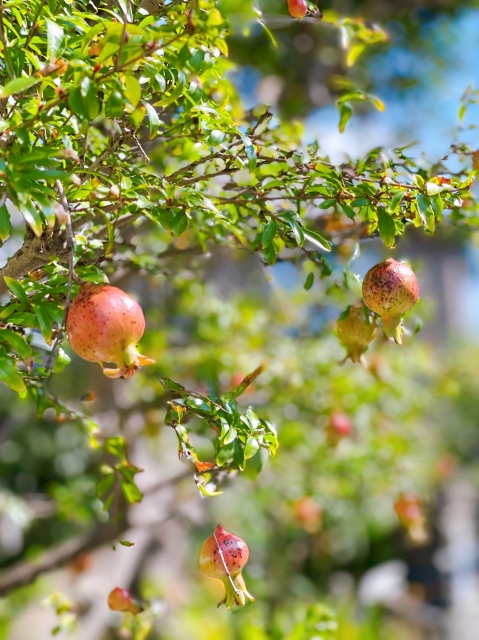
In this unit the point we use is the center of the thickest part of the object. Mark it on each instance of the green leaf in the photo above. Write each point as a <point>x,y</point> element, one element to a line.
<point>437,205</point>
<point>180,223</point>
<point>133,90</point>
<point>426,212</point>
<point>116,446</point>
<point>153,119</point>
<point>18,85</point>
<point>9,374</point>
<point>45,323</point>
<point>395,201</point>
<point>206,493</point>
<point>231,435</point>
<point>77,104</point>
<point>105,484</point>
<point>224,454</point>
<point>32,217</point>
<point>17,342</point>
<point>114,105</point>
<point>62,361</point>
<point>17,290</point>
<point>269,232</point>
<point>387,228</point>
<point>130,490</point>
<point>296,229</point>
<point>90,98</point>
<point>126,543</point>
<point>55,40</point>
<point>317,239</point>
<point>309,281</point>
<point>328,203</point>
<point>251,447</point>
<point>5,224</point>
<point>344,314</point>
<point>345,113</point>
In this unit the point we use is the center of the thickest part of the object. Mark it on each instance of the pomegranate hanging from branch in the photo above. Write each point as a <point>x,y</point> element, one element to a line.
<point>390,289</point>
<point>104,324</point>
<point>223,556</point>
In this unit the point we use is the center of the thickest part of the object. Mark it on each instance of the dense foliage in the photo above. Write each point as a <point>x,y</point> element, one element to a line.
<point>127,150</point>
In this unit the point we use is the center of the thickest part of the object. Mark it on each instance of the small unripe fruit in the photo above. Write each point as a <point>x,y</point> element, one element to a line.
<point>339,427</point>
<point>297,8</point>
<point>223,556</point>
<point>104,325</point>
<point>121,600</point>
<point>356,331</point>
<point>390,289</point>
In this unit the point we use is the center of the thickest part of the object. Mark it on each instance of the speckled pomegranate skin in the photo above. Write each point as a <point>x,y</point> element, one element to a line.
<point>297,8</point>
<point>390,288</point>
<point>235,552</point>
<point>355,332</point>
<point>104,325</point>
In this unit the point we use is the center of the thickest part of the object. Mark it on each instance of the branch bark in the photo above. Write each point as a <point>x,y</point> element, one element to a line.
<point>33,254</point>
<point>27,571</point>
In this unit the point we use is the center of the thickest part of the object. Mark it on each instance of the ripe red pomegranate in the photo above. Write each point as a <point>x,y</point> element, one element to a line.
<point>339,426</point>
<point>297,8</point>
<point>104,325</point>
<point>121,600</point>
<point>356,331</point>
<point>390,289</point>
<point>224,553</point>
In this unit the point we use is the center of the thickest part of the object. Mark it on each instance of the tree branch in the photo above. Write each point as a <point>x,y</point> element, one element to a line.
<point>71,273</point>
<point>26,571</point>
<point>33,254</point>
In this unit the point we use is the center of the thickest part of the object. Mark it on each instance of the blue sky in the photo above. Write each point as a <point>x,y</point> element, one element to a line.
<point>427,113</point>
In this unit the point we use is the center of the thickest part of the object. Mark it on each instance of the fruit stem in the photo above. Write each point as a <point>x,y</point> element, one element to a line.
<point>236,592</point>
<point>392,327</point>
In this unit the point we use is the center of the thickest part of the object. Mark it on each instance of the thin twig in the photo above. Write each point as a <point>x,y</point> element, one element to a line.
<point>235,588</point>
<point>71,274</point>
<point>123,35</point>
<point>34,23</point>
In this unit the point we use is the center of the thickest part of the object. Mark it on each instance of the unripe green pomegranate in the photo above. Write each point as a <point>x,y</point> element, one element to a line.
<point>297,8</point>
<point>120,600</point>
<point>221,554</point>
<point>104,325</point>
<point>390,289</point>
<point>356,331</point>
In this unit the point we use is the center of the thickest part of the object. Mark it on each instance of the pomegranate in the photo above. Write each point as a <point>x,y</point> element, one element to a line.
<point>356,331</point>
<point>121,600</point>
<point>390,289</point>
<point>223,556</point>
<point>309,514</point>
<point>297,8</point>
<point>339,426</point>
<point>410,514</point>
<point>104,325</point>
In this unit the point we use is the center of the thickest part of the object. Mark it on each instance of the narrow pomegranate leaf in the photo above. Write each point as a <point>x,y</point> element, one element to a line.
<point>245,383</point>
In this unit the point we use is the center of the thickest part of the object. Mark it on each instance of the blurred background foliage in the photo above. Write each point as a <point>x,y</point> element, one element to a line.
<point>319,516</point>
